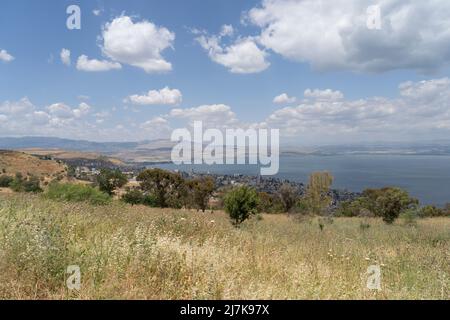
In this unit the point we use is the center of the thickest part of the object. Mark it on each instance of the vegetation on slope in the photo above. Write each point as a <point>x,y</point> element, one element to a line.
<point>139,252</point>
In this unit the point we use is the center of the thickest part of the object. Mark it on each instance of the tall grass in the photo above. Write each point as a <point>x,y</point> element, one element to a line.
<point>140,252</point>
<point>77,193</point>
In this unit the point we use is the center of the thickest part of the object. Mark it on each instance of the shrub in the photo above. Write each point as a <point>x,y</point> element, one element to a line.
<point>410,216</point>
<point>432,211</point>
<point>133,197</point>
<point>31,184</point>
<point>5,181</point>
<point>392,202</point>
<point>240,203</point>
<point>109,180</point>
<point>77,193</point>
<point>269,203</point>
<point>288,195</point>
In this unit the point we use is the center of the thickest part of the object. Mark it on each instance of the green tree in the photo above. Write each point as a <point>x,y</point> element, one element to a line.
<point>317,196</point>
<point>109,180</point>
<point>201,190</point>
<point>169,189</point>
<point>392,202</point>
<point>240,203</point>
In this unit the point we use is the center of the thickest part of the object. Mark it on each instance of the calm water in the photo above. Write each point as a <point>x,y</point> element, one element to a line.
<point>425,177</point>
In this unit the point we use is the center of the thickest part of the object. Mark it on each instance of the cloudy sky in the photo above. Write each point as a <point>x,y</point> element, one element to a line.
<point>138,69</point>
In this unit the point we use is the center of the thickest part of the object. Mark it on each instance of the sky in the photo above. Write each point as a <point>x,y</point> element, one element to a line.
<point>323,72</point>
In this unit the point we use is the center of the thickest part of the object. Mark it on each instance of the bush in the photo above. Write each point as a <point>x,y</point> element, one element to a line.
<point>109,180</point>
<point>431,211</point>
<point>19,184</point>
<point>5,181</point>
<point>136,197</point>
<point>409,217</point>
<point>392,202</point>
<point>77,193</point>
<point>32,185</point>
<point>288,195</point>
<point>240,203</point>
<point>133,197</point>
<point>269,203</point>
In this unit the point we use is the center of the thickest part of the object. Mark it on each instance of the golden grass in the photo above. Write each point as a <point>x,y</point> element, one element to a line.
<point>142,253</point>
<point>14,161</point>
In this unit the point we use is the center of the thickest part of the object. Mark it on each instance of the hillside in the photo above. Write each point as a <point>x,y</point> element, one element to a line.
<point>127,252</point>
<point>67,155</point>
<point>12,162</point>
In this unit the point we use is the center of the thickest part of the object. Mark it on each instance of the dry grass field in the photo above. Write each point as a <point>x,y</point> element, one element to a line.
<point>12,162</point>
<point>144,253</point>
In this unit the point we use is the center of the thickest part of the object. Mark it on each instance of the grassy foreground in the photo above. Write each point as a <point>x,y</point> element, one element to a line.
<point>143,253</point>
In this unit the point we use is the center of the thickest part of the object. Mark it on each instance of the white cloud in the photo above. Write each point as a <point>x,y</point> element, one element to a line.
<point>82,110</point>
<point>323,95</point>
<point>94,65</point>
<point>96,12</point>
<point>227,30</point>
<point>242,56</point>
<point>215,115</point>
<point>63,111</point>
<point>334,34</point>
<point>5,56</point>
<point>423,109</point>
<point>65,57</point>
<point>138,44</point>
<point>22,106</point>
<point>165,96</point>
<point>284,99</point>
<point>157,127</point>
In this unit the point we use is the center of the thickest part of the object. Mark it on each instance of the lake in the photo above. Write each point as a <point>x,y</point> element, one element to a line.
<point>425,177</point>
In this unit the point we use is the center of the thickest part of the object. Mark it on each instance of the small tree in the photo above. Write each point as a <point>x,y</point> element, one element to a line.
<point>317,192</point>
<point>288,196</point>
<point>109,180</point>
<point>392,202</point>
<point>201,190</point>
<point>240,203</point>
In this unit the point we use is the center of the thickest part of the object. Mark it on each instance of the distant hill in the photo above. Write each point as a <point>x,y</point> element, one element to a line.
<point>160,150</point>
<point>12,162</point>
<point>65,144</point>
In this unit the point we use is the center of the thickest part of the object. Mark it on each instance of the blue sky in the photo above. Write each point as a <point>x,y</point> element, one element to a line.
<point>295,54</point>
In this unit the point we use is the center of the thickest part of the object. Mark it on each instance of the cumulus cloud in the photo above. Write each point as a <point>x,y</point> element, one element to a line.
<point>323,95</point>
<point>214,115</point>
<point>284,99</point>
<point>423,108</point>
<point>334,35</point>
<point>94,65</point>
<point>5,56</point>
<point>242,56</point>
<point>22,117</point>
<point>139,44</point>
<point>65,57</point>
<point>165,96</point>
<point>22,106</point>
